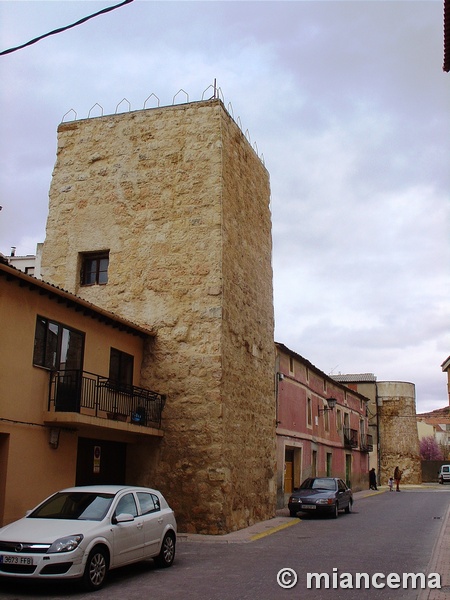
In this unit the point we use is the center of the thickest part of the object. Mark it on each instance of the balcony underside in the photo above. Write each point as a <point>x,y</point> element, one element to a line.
<point>87,423</point>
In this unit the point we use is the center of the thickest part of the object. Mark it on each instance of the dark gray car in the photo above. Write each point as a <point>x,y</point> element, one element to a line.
<point>321,495</point>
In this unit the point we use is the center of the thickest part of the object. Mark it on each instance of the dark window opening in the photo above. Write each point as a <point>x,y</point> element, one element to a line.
<point>121,368</point>
<point>56,346</point>
<point>94,268</point>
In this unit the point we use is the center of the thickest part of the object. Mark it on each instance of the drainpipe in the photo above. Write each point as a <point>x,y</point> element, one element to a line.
<point>278,377</point>
<point>378,435</point>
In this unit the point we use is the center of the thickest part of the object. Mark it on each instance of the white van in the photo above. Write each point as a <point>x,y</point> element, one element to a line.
<point>444,474</point>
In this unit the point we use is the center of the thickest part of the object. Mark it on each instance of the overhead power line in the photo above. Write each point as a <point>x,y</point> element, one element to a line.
<point>61,29</point>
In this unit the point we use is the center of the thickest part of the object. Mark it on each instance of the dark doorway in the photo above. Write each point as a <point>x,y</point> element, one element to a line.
<point>100,462</point>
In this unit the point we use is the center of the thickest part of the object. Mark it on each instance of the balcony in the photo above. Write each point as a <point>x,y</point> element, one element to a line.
<point>365,442</point>
<point>350,438</point>
<point>92,395</point>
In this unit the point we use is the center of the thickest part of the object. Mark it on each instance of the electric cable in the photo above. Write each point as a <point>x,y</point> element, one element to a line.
<point>61,29</point>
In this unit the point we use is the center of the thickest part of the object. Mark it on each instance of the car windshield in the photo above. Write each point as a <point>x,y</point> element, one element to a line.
<point>318,484</point>
<point>84,506</point>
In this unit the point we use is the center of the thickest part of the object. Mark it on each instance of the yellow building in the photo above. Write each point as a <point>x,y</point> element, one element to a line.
<point>71,411</point>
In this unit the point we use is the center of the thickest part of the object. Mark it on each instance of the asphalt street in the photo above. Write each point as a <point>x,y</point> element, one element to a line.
<point>386,533</point>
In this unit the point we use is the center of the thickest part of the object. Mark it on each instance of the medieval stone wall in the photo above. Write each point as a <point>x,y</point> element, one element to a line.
<point>248,350</point>
<point>399,440</point>
<point>181,201</point>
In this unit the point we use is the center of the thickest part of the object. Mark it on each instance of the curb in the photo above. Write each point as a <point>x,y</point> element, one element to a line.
<point>282,520</point>
<point>243,536</point>
<point>439,564</point>
<point>260,530</point>
<point>258,536</point>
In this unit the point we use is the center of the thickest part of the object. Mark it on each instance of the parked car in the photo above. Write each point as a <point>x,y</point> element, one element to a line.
<point>83,532</point>
<point>444,474</point>
<point>321,495</point>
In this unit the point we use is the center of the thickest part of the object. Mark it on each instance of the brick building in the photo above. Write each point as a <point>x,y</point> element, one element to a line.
<point>312,439</point>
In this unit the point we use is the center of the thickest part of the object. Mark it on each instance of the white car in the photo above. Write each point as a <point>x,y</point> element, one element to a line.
<point>444,474</point>
<point>82,532</point>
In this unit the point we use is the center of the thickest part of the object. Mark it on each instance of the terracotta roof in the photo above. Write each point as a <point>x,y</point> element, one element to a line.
<point>438,413</point>
<point>307,363</point>
<point>10,273</point>
<point>446,364</point>
<point>354,377</point>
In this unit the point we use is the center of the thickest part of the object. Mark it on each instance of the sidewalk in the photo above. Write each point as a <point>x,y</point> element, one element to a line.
<point>282,520</point>
<point>439,563</point>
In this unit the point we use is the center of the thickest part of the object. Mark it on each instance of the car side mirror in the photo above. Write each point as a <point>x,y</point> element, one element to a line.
<point>123,518</point>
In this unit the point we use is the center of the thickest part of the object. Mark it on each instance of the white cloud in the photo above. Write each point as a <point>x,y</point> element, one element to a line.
<point>348,105</point>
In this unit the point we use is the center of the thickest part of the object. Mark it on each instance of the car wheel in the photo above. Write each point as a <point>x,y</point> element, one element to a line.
<point>96,569</point>
<point>335,511</point>
<point>348,508</point>
<point>167,555</point>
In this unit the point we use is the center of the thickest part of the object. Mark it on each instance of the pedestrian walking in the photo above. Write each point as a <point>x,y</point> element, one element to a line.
<point>391,484</point>
<point>372,479</point>
<point>397,477</point>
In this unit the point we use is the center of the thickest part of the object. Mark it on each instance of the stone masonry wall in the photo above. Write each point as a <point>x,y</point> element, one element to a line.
<point>181,202</point>
<point>248,348</point>
<point>399,440</point>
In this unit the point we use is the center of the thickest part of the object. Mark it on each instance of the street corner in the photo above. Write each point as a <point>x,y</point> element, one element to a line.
<point>273,526</point>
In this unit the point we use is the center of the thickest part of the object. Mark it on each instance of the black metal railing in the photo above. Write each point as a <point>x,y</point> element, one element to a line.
<point>87,393</point>
<point>350,438</point>
<point>366,442</point>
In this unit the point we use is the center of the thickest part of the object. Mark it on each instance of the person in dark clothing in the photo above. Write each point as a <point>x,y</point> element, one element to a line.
<point>372,479</point>
<point>397,477</point>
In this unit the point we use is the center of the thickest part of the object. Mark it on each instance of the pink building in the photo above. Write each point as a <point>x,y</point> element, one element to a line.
<point>322,426</point>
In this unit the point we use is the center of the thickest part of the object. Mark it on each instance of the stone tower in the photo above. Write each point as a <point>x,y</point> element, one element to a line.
<point>399,439</point>
<point>180,201</point>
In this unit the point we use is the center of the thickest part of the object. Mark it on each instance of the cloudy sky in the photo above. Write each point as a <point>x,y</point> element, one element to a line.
<point>348,105</point>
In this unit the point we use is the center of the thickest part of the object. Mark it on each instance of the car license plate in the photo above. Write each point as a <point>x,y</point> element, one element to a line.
<point>16,560</point>
<point>309,506</point>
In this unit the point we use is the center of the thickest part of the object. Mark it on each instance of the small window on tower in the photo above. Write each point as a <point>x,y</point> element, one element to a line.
<point>94,268</point>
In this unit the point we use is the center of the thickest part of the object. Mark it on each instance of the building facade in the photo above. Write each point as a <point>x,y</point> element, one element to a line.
<point>70,409</point>
<point>29,264</point>
<point>366,384</point>
<point>392,422</point>
<point>312,439</point>
<point>437,425</point>
<point>446,369</point>
<point>162,216</point>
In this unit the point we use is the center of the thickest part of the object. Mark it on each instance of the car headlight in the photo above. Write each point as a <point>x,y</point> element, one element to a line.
<point>325,501</point>
<point>292,499</point>
<point>65,544</point>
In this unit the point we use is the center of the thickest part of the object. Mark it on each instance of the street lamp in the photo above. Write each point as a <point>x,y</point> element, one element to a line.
<point>331,404</point>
